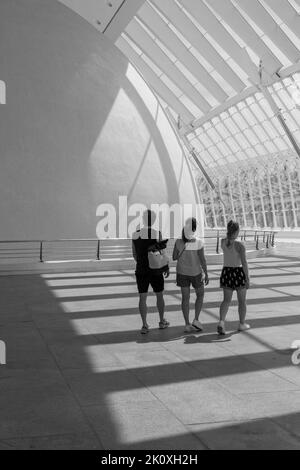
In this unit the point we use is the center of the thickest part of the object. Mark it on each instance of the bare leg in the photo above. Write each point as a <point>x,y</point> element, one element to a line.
<point>185,304</point>
<point>160,305</point>
<point>199,301</point>
<point>225,304</point>
<point>143,308</point>
<point>241,294</point>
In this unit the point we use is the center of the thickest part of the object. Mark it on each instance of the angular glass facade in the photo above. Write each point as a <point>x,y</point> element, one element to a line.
<point>251,161</point>
<point>228,74</point>
<point>267,195</point>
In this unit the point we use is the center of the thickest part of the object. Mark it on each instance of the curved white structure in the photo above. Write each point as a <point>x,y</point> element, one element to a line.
<point>80,127</point>
<point>223,70</point>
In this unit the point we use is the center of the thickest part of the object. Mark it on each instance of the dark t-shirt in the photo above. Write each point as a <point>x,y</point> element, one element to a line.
<point>142,240</point>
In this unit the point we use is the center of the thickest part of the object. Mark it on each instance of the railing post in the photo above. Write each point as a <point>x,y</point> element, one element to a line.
<point>218,242</point>
<point>245,233</point>
<point>273,239</point>
<point>257,242</point>
<point>264,237</point>
<point>98,250</point>
<point>268,238</point>
<point>41,252</point>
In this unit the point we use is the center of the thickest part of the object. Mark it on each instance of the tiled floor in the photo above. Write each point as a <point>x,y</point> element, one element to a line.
<point>80,376</point>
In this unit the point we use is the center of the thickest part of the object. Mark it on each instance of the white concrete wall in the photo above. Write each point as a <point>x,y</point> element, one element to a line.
<point>80,127</point>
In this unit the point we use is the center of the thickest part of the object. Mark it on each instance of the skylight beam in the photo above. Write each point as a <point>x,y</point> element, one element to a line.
<point>262,18</point>
<point>156,83</point>
<point>172,42</point>
<point>239,24</point>
<point>139,35</point>
<point>209,21</point>
<point>185,26</point>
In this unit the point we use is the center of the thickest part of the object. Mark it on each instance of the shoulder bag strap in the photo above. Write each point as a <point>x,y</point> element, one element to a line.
<point>181,252</point>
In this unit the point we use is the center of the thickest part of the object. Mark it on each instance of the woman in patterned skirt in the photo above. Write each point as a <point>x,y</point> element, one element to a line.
<point>234,277</point>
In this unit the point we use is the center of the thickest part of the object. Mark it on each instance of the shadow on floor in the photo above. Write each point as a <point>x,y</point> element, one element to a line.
<point>67,387</point>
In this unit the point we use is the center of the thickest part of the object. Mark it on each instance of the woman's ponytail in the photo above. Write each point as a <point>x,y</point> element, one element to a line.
<point>232,228</point>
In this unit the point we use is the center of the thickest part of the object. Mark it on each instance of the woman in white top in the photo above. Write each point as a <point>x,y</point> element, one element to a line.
<point>234,277</point>
<point>191,263</point>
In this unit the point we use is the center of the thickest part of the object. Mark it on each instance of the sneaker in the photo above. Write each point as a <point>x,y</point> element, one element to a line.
<point>244,327</point>
<point>196,324</point>
<point>189,329</point>
<point>164,324</point>
<point>145,330</point>
<point>221,329</point>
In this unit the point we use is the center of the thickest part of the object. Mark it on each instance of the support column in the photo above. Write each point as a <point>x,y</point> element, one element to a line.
<point>282,199</point>
<point>278,113</point>
<point>202,203</point>
<point>212,202</point>
<point>252,202</point>
<point>272,199</point>
<point>298,171</point>
<point>231,198</point>
<point>222,205</point>
<point>292,199</point>
<point>262,201</point>
<point>242,200</point>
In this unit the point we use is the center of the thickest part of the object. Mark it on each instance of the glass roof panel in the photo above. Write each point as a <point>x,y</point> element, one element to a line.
<point>228,40</point>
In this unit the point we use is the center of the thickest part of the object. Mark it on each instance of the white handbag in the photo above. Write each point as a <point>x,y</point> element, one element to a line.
<point>158,260</point>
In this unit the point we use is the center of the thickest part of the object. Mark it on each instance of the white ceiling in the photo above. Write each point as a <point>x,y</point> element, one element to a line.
<point>108,16</point>
<point>202,58</point>
<point>205,52</point>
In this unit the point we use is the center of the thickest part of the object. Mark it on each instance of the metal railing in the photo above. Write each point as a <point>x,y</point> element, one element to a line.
<point>267,238</point>
<point>111,249</point>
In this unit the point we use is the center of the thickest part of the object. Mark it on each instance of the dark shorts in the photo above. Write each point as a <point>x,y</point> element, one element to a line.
<point>144,280</point>
<point>186,281</point>
<point>233,278</point>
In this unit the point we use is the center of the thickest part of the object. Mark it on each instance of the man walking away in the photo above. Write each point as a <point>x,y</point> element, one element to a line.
<point>142,240</point>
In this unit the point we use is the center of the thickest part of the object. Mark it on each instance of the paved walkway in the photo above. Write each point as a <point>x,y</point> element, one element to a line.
<point>79,375</point>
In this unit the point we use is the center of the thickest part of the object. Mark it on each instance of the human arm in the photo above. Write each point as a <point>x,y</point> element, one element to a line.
<point>175,252</point>
<point>203,263</point>
<point>245,263</point>
<point>134,251</point>
<point>222,243</point>
<point>167,271</point>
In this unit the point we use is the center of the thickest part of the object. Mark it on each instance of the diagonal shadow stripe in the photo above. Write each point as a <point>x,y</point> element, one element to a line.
<point>170,308</point>
<point>255,434</point>
<point>200,369</point>
<point>174,333</point>
<point>216,275</point>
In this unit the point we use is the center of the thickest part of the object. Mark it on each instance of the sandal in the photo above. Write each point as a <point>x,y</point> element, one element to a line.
<point>221,330</point>
<point>163,324</point>
<point>145,330</point>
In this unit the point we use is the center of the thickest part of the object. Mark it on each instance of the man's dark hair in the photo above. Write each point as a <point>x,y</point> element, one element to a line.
<point>149,217</point>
